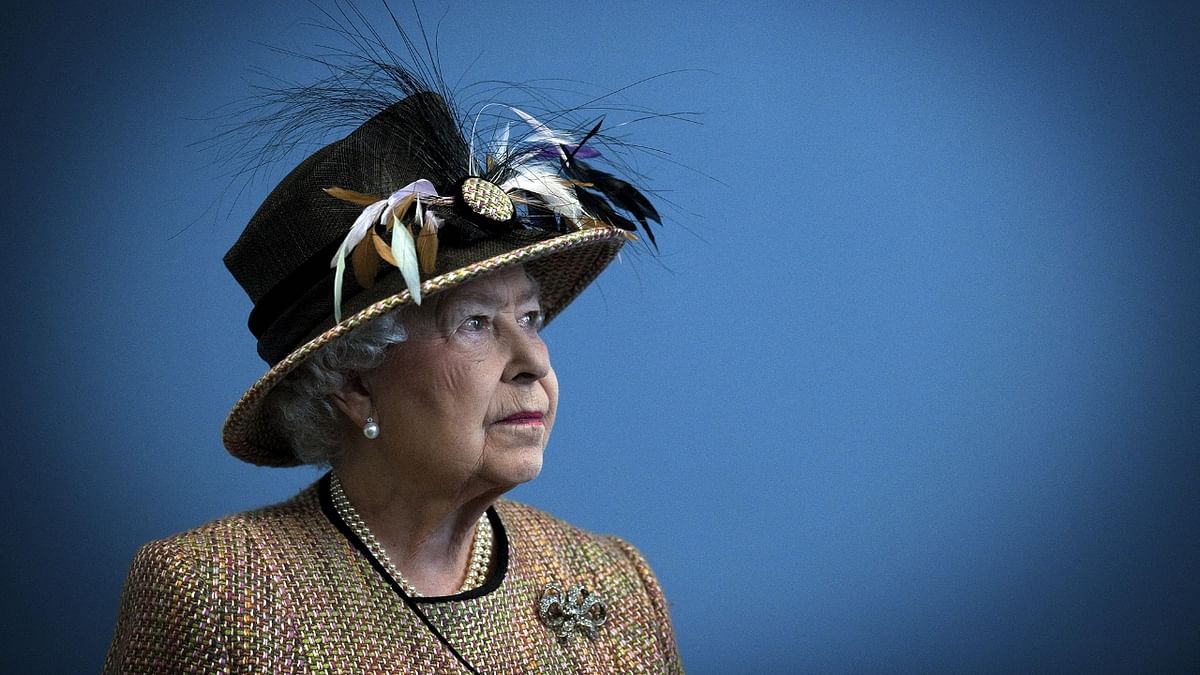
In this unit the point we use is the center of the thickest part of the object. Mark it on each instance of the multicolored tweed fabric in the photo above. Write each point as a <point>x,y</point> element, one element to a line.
<point>284,590</point>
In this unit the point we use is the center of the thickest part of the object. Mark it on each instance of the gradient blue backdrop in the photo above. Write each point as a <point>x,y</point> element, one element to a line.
<point>915,387</point>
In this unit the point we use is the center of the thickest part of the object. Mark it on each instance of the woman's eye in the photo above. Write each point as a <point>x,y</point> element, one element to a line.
<point>532,319</point>
<point>474,324</point>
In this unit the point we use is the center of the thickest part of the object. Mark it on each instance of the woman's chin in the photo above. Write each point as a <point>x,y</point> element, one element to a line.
<point>513,455</point>
<point>514,467</point>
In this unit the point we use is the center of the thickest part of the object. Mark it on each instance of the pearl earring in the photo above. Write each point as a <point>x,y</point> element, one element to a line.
<point>371,428</point>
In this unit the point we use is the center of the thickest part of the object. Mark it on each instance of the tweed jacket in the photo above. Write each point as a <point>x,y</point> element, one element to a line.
<point>290,589</point>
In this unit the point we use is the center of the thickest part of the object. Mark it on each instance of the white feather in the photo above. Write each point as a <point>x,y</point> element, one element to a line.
<point>543,181</point>
<point>471,165</point>
<point>541,132</point>
<point>358,231</point>
<point>404,250</point>
<point>360,228</point>
<point>501,148</point>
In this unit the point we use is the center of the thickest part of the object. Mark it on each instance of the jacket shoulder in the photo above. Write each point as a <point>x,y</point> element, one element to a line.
<point>181,590</point>
<point>227,543</point>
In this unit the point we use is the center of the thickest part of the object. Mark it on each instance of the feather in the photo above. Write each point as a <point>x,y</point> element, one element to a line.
<point>352,196</point>
<point>555,193</point>
<point>547,151</point>
<point>500,147</point>
<point>540,131</point>
<point>471,148</point>
<point>404,250</point>
<point>620,193</point>
<point>587,137</point>
<point>399,208</point>
<point>399,201</point>
<point>338,276</point>
<point>427,243</point>
<point>365,262</point>
<point>546,143</point>
<point>599,207</point>
<point>361,227</point>
<point>384,250</point>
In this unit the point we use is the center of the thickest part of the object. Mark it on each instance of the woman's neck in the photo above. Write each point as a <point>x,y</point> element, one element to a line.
<point>427,534</point>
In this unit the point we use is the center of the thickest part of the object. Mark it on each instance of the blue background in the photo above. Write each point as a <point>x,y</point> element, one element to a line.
<point>914,385</point>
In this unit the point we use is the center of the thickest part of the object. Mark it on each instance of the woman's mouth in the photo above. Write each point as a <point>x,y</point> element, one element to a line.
<point>525,417</point>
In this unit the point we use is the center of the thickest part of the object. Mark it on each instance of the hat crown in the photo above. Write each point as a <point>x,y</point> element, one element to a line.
<point>286,248</point>
<point>400,144</point>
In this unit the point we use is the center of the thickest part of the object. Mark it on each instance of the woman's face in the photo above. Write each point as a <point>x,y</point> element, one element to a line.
<point>470,394</point>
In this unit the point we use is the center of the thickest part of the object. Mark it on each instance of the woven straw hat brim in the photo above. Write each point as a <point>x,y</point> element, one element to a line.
<point>563,267</point>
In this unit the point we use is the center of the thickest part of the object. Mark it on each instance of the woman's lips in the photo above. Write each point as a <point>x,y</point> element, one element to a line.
<point>524,417</point>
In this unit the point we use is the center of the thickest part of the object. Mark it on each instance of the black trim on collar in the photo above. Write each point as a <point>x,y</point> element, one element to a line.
<point>497,576</point>
<point>493,581</point>
<point>332,514</point>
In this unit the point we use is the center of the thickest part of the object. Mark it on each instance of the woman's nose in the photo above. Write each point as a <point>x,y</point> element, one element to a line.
<point>529,359</point>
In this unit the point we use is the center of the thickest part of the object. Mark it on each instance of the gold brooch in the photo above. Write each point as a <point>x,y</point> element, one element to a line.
<point>580,609</point>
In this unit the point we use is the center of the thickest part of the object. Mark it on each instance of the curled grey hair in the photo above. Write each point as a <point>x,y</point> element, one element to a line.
<point>300,405</point>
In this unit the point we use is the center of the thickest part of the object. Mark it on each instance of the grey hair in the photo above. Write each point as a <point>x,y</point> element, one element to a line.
<point>301,407</point>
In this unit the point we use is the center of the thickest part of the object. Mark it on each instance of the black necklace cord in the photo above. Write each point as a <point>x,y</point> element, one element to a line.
<point>336,519</point>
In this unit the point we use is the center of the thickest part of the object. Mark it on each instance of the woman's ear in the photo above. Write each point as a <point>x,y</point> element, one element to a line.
<point>354,400</point>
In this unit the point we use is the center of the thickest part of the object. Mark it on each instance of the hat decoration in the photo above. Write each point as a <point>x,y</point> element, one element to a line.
<point>543,174</point>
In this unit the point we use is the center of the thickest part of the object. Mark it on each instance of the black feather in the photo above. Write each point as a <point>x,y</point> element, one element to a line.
<point>620,193</point>
<point>599,207</point>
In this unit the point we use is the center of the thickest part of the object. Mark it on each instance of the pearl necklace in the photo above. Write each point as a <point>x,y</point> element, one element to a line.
<point>481,547</point>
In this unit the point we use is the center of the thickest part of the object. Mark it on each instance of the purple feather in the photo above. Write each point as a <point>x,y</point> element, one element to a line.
<point>550,151</point>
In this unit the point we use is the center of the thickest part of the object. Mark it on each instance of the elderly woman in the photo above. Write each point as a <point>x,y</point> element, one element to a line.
<point>400,278</point>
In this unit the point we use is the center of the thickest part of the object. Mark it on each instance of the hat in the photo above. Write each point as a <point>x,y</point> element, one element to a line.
<point>403,208</point>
